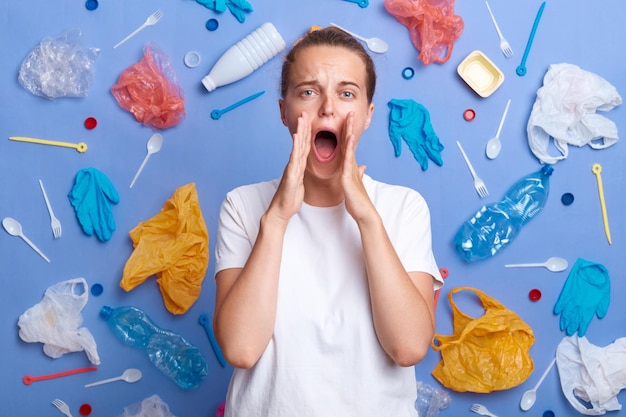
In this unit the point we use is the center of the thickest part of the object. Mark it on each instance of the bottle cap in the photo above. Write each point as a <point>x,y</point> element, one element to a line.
<point>192,59</point>
<point>408,73</point>
<point>567,199</point>
<point>84,410</point>
<point>469,115</point>
<point>96,289</point>
<point>212,24</point>
<point>91,123</point>
<point>548,413</point>
<point>534,294</point>
<point>91,4</point>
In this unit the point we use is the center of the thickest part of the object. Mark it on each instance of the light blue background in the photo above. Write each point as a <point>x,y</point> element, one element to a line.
<point>250,144</point>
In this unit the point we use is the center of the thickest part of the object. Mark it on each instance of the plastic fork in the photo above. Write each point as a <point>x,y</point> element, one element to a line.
<point>479,184</point>
<point>64,408</point>
<point>55,224</point>
<point>505,47</point>
<point>482,410</point>
<point>151,20</point>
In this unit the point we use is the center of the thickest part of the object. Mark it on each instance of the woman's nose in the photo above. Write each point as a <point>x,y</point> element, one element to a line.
<point>327,106</point>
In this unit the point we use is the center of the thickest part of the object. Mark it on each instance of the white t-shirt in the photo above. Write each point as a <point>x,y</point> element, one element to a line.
<point>324,358</point>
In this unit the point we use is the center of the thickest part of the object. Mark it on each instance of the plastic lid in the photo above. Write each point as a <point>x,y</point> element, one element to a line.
<point>192,59</point>
<point>96,289</point>
<point>548,413</point>
<point>84,410</point>
<point>212,24</point>
<point>408,73</point>
<point>567,199</point>
<point>534,294</point>
<point>105,312</point>
<point>91,4</point>
<point>91,123</point>
<point>469,115</point>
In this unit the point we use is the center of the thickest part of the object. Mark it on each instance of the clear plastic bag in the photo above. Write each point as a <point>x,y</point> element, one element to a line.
<point>152,406</point>
<point>59,67</point>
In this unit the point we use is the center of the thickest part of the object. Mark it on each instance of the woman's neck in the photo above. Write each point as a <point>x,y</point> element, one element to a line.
<point>322,193</point>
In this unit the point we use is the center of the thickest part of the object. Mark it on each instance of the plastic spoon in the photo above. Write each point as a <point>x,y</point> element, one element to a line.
<point>154,145</point>
<point>130,375</point>
<point>14,228</point>
<point>552,264</point>
<point>494,145</point>
<point>529,397</point>
<point>374,44</point>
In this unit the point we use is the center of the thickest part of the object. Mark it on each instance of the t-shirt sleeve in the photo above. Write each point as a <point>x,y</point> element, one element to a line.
<point>233,244</point>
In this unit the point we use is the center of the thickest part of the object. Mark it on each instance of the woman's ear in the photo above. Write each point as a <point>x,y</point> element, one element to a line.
<point>370,112</point>
<point>282,111</point>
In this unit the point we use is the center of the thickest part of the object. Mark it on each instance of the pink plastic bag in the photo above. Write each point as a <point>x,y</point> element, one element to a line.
<point>432,25</point>
<point>149,90</point>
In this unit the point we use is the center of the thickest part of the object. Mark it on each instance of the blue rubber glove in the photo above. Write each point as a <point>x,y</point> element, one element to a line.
<point>586,292</point>
<point>410,121</point>
<point>238,8</point>
<point>91,197</point>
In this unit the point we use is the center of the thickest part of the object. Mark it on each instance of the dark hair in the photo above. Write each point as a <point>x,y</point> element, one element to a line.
<point>330,36</point>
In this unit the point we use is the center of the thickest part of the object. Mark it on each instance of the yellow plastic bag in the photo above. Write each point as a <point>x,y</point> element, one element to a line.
<point>174,245</point>
<point>487,353</point>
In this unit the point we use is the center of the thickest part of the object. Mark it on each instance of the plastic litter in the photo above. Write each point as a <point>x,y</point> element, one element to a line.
<point>174,245</point>
<point>238,8</point>
<point>430,400</point>
<point>433,26</point>
<point>56,321</point>
<point>91,196</point>
<point>150,91</point>
<point>91,123</point>
<point>586,292</point>
<point>167,350</point>
<point>591,376</point>
<point>495,226</point>
<point>410,121</point>
<point>565,110</point>
<point>212,24</point>
<point>59,67</point>
<point>486,353</point>
<point>152,406</point>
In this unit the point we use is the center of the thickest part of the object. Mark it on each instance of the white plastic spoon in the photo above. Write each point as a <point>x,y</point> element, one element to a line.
<point>14,228</point>
<point>376,45</point>
<point>153,146</point>
<point>494,145</point>
<point>552,264</point>
<point>530,396</point>
<point>130,375</point>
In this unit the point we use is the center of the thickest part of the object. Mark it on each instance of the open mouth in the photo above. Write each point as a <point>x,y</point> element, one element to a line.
<point>325,144</point>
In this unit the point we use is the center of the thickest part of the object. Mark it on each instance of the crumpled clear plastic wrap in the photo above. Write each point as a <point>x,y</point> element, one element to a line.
<point>432,25</point>
<point>152,406</point>
<point>150,91</point>
<point>59,67</point>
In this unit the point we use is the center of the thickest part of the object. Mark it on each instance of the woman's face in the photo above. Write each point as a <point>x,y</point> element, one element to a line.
<point>327,83</point>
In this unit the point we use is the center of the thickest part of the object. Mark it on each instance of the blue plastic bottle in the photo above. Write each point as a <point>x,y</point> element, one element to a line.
<point>168,351</point>
<point>495,226</point>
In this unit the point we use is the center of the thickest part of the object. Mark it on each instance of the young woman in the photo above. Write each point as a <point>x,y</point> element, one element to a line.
<point>325,277</point>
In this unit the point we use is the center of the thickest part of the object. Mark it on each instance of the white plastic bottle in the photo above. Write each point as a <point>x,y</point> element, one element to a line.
<point>245,56</point>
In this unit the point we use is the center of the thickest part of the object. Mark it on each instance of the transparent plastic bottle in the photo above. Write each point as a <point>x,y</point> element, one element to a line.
<point>495,226</point>
<point>241,59</point>
<point>168,351</point>
<point>430,400</point>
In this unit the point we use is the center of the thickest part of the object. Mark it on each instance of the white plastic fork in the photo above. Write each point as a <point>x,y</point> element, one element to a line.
<point>479,184</point>
<point>55,224</point>
<point>64,408</point>
<point>505,47</point>
<point>151,20</point>
<point>482,410</point>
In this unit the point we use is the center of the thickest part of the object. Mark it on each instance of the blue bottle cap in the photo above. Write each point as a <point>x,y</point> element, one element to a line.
<point>212,24</point>
<point>567,199</point>
<point>408,73</point>
<point>96,289</point>
<point>548,413</point>
<point>91,4</point>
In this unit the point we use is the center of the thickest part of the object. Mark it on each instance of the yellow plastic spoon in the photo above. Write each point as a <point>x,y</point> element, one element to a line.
<point>80,147</point>
<point>597,169</point>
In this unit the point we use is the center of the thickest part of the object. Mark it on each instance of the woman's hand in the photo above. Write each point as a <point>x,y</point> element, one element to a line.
<point>357,201</point>
<point>290,193</point>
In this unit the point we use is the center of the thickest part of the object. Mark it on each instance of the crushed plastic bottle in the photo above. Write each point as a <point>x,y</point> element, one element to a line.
<point>430,400</point>
<point>495,226</point>
<point>168,351</point>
